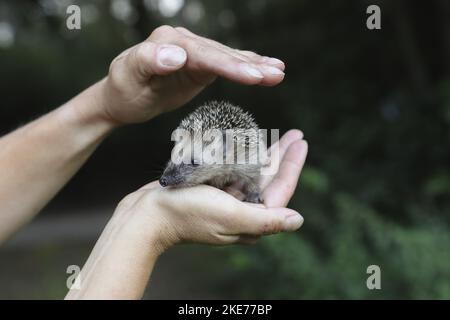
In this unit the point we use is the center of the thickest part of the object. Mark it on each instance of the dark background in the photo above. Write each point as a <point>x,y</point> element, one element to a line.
<point>374,106</point>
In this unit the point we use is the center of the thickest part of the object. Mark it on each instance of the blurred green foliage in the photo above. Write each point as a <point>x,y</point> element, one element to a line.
<point>374,107</point>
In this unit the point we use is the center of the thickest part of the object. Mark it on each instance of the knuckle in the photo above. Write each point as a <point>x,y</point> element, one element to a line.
<point>140,54</point>
<point>112,66</point>
<point>162,31</point>
<point>182,30</point>
<point>247,52</point>
<point>115,75</point>
<point>139,60</point>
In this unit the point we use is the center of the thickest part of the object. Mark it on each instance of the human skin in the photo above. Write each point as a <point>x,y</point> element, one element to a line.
<point>155,76</point>
<point>152,219</point>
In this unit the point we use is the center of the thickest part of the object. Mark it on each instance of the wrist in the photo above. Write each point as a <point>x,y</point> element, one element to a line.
<point>146,222</point>
<point>89,108</point>
<point>120,265</point>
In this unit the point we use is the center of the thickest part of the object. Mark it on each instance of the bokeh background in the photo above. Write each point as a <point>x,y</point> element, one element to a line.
<point>373,105</point>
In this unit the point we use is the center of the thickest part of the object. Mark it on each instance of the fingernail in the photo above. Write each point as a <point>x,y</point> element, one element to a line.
<point>273,70</point>
<point>272,61</point>
<point>293,222</point>
<point>171,56</point>
<point>252,71</point>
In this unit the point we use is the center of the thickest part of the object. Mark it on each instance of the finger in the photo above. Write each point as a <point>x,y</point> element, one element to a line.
<point>256,221</point>
<point>274,62</point>
<point>281,188</point>
<point>255,58</point>
<point>283,144</point>
<point>270,67</point>
<point>272,75</point>
<point>251,55</point>
<point>148,59</point>
<point>262,59</point>
<point>206,58</point>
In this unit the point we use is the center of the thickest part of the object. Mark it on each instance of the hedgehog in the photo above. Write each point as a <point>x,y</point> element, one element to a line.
<point>238,156</point>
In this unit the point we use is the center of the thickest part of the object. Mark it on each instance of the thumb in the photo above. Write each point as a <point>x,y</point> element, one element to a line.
<point>256,220</point>
<point>149,58</point>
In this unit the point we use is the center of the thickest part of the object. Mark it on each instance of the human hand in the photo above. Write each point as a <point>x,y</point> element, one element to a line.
<point>204,214</point>
<point>148,221</point>
<point>170,68</point>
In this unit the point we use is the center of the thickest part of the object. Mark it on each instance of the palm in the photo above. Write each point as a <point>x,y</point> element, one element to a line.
<point>173,90</point>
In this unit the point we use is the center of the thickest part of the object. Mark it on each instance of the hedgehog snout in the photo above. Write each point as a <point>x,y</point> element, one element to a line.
<point>172,176</point>
<point>163,181</point>
<point>167,180</point>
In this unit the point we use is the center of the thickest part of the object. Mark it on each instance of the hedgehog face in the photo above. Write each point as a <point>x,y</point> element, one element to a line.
<point>188,174</point>
<point>189,168</point>
<point>223,131</point>
<point>176,174</point>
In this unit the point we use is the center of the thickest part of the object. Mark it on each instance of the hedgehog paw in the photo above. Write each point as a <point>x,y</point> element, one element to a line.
<point>253,197</point>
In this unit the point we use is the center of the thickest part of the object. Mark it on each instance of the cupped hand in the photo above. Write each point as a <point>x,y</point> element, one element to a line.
<point>204,214</point>
<point>170,68</point>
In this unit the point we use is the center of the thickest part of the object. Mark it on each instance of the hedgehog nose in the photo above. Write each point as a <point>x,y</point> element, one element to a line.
<point>163,181</point>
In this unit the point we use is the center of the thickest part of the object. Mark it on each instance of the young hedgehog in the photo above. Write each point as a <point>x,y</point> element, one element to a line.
<point>233,122</point>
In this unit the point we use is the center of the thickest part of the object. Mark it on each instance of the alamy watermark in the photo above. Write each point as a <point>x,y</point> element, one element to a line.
<point>73,282</point>
<point>373,22</point>
<point>374,280</point>
<point>227,147</point>
<point>73,21</point>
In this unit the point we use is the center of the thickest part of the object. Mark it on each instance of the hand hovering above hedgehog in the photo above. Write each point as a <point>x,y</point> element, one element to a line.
<point>238,157</point>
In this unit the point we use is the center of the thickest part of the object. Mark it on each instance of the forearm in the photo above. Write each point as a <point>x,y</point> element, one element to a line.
<point>121,263</point>
<point>38,159</point>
